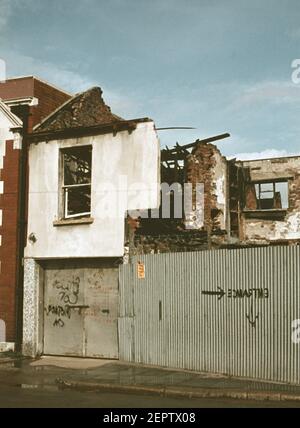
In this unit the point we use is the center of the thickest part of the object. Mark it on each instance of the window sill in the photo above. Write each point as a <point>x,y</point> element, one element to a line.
<point>73,221</point>
<point>273,214</point>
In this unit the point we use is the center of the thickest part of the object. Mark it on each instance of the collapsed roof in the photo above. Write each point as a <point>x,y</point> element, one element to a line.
<point>83,110</point>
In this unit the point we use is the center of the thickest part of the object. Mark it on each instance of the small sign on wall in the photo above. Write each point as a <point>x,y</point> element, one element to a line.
<point>140,270</point>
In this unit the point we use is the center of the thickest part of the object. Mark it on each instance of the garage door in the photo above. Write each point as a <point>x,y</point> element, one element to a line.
<point>81,311</point>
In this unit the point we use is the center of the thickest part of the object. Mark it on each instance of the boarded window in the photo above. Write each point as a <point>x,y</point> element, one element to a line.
<point>77,163</point>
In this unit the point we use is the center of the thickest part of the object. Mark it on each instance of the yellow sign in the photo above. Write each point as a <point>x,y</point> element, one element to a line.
<point>141,270</point>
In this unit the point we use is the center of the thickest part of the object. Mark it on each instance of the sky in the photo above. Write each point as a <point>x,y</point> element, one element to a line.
<point>215,65</point>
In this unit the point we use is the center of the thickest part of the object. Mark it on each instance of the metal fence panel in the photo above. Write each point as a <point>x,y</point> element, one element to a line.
<point>225,311</point>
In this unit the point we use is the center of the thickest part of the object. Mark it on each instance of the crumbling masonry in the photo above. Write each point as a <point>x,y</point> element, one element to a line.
<point>245,203</point>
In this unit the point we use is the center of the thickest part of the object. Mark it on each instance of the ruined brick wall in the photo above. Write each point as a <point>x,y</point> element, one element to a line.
<point>232,216</point>
<point>171,243</point>
<point>205,227</point>
<point>206,165</point>
<point>264,227</point>
<point>85,109</point>
<point>189,240</point>
<point>9,175</point>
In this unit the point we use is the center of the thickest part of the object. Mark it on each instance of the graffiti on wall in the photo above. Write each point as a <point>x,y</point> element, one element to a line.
<point>67,293</point>
<point>60,312</point>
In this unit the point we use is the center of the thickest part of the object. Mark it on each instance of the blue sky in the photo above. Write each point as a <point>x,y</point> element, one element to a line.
<point>220,66</point>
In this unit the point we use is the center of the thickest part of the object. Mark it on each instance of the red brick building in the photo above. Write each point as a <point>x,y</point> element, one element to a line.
<point>24,102</point>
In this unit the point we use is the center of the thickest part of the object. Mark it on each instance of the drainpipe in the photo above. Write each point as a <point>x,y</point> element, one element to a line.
<point>23,112</point>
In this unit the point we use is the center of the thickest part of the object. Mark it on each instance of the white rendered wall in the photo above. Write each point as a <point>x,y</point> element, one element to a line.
<point>115,159</point>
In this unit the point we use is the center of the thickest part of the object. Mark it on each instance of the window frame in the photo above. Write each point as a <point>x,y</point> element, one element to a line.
<point>64,188</point>
<point>273,182</point>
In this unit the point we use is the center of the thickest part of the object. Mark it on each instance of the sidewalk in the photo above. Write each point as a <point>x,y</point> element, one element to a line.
<point>11,357</point>
<point>116,376</point>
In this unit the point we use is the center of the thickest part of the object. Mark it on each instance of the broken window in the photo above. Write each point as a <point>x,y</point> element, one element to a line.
<point>272,195</point>
<point>77,162</point>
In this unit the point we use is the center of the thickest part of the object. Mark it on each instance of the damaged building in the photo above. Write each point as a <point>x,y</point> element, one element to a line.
<point>80,157</point>
<point>270,213</point>
<point>92,189</point>
<point>244,203</point>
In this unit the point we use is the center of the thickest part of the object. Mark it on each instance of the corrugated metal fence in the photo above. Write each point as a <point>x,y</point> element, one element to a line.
<point>225,311</point>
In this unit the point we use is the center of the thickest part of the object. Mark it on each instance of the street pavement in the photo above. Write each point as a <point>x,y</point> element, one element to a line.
<point>71,382</point>
<point>20,397</point>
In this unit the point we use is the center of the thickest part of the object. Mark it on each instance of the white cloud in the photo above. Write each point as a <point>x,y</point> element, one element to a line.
<point>278,92</point>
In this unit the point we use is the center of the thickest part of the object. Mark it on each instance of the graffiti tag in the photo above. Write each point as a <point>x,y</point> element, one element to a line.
<point>68,292</point>
<point>59,312</point>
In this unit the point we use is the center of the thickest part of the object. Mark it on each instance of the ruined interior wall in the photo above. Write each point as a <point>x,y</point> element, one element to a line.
<point>204,226</point>
<point>265,169</point>
<point>206,165</point>
<point>287,228</point>
<point>219,182</point>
